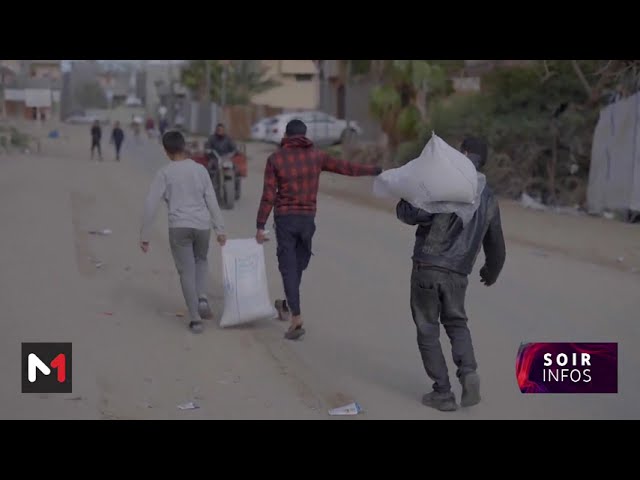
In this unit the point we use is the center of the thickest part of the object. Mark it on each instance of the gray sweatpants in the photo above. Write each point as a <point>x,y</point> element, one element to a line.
<point>190,247</point>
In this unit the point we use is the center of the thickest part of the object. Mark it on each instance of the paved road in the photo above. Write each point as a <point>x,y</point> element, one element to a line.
<point>360,343</point>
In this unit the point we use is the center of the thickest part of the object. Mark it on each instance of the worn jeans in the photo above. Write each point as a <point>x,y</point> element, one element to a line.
<point>189,248</point>
<point>437,296</point>
<point>294,234</point>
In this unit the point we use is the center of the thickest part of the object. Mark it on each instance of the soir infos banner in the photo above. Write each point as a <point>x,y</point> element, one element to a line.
<point>567,368</point>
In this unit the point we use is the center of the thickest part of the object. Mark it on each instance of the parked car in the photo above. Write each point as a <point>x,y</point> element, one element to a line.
<point>322,129</point>
<point>81,117</point>
<point>259,129</point>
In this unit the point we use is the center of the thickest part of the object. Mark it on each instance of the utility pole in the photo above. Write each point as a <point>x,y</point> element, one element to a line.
<point>223,94</point>
<point>2,90</point>
<point>207,81</point>
<point>347,76</point>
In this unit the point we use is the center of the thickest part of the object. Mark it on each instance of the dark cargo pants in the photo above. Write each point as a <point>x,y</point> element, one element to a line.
<point>294,234</point>
<point>437,296</point>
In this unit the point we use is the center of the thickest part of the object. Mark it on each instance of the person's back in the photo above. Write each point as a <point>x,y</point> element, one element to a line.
<point>96,133</point>
<point>117,134</point>
<point>186,182</point>
<point>291,180</point>
<point>444,254</point>
<point>294,172</point>
<point>193,209</point>
<point>443,241</point>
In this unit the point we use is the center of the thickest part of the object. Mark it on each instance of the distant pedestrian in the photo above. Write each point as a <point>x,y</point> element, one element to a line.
<point>96,138</point>
<point>117,137</point>
<point>163,124</point>
<point>150,126</point>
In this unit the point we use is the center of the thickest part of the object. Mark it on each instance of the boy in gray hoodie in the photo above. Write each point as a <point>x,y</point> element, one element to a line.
<point>186,188</point>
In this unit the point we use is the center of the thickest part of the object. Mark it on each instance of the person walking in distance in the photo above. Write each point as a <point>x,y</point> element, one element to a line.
<point>96,138</point>
<point>193,209</point>
<point>117,137</point>
<point>291,181</point>
<point>444,254</point>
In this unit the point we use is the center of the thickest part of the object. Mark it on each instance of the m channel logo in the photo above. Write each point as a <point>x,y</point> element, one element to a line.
<point>47,368</point>
<point>567,368</point>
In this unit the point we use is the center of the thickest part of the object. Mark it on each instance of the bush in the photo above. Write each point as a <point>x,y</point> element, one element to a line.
<point>538,132</point>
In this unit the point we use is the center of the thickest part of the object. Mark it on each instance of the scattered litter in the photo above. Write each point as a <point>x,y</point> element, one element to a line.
<point>98,264</point>
<point>188,406</point>
<point>351,409</point>
<point>529,202</point>
<point>609,215</point>
<point>54,134</point>
<point>146,405</point>
<point>620,259</point>
<point>109,314</point>
<point>105,231</point>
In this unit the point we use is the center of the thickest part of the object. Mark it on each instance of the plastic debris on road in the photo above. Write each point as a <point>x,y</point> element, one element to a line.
<point>104,231</point>
<point>350,409</point>
<point>188,406</point>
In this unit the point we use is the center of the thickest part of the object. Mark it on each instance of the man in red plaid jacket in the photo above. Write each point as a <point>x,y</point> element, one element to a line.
<point>291,181</point>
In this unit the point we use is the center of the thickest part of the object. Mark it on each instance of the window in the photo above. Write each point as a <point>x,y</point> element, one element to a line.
<point>304,77</point>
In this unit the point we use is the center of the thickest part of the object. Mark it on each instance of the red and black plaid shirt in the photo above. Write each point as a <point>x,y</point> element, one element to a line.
<point>292,178</point>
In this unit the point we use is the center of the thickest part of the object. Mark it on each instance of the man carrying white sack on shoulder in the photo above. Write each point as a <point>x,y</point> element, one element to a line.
<point>444,254</point>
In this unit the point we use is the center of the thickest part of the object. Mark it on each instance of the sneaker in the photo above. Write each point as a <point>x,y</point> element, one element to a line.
<point>470,389</point>
<point>204,309</point>
<point>445,402</point>
<point>196,326</point>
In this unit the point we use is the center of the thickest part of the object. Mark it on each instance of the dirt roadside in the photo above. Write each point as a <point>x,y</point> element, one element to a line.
<point>591,239</point>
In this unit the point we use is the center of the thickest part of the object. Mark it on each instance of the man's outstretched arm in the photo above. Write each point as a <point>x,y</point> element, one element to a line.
<point>342,167</point>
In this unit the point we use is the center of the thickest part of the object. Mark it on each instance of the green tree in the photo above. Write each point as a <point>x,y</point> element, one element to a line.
<point>400,101</point>
<point>244,78</point>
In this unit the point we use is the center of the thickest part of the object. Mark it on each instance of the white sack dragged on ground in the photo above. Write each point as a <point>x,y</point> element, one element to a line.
<point>246,293</point>
<point>440,174</point>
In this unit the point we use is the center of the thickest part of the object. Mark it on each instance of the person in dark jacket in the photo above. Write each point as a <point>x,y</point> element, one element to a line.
<point>291,180</point>
<point>96,137</point>
<point>221,142</point>
<point>444,254</point>
<point>117,137</point>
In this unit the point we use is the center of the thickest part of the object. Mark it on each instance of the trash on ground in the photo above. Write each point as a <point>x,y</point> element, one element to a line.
<point>351,409</point>
<point>609,215</point>
<point>188,406</point>
<point>105,231</point>
<point>529,202</point>
<point>54,134</point>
